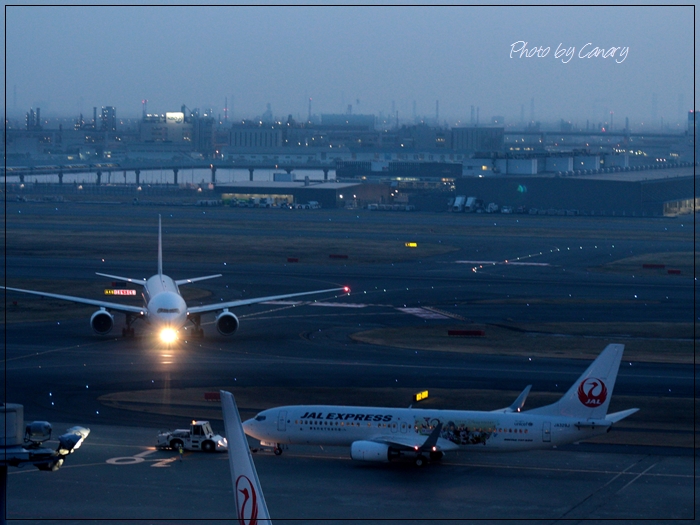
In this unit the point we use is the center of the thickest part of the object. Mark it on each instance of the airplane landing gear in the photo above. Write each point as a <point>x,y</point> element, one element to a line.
<point>197,331</point>
<point>420,460</point>
<point>277,450</point>
<point>128,330</point>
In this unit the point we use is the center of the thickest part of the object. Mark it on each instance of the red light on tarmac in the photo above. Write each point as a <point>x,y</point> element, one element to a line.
<point>346,289</point>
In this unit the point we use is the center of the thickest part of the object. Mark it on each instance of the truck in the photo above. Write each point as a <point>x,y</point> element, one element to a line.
<point>459,203</point>
<point>470,205</point>
<point>198,437</point>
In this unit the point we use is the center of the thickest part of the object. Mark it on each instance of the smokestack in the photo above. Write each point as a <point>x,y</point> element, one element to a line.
<point>309,119</point>
<point>471,120</point>
<point>94,117</point>
<point>532,109</point>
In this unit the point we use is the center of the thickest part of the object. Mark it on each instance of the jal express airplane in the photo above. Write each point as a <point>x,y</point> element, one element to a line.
<point>383,434</point>
<point>164,308</point>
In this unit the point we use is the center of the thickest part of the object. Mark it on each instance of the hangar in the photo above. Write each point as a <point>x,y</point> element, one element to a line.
<point>657,192</point>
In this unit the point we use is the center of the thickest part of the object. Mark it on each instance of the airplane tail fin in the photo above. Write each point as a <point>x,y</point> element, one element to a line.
<point>589,397</point>
<point>160,249</point>
<point>250,502</point>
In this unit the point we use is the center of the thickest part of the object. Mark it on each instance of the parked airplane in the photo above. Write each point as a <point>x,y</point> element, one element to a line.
<point>250,502</point>
<point>383,434</point>
<point>164,307</point>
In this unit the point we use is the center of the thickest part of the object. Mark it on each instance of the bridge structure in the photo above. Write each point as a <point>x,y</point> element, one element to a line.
<point>137,167</point>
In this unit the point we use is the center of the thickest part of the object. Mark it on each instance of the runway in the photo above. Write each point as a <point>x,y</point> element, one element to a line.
<point>61,372</point>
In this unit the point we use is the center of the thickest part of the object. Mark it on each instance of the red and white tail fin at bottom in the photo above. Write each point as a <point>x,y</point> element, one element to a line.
<point>251,508</point>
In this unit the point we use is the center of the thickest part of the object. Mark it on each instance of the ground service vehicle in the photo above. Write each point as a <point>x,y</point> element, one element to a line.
<point>198,437</point>
<point>459,203</point>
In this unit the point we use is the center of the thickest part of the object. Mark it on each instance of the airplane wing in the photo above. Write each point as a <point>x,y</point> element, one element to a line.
<point>250,502</point>
<point>195,279</point>
<point>417,442</point>
<point>81,300</point>
<point>140,282</point>
<point>243,302</point>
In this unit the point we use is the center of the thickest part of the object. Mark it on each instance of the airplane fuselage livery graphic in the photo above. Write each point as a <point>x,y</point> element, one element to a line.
<point>382,434</point>
<point>164,308</point>
<point>592,392</point>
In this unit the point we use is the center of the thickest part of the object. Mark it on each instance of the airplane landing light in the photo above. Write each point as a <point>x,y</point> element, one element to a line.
<point>168,335</point>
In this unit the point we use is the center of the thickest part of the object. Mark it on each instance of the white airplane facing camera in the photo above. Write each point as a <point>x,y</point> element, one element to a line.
<point>164,308</point>
<point>383,434</point>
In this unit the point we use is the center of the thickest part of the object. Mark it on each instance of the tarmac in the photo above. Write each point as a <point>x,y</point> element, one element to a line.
<point>570,303</point>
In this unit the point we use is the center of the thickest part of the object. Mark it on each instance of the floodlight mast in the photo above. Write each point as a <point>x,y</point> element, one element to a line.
<point>18,449</point>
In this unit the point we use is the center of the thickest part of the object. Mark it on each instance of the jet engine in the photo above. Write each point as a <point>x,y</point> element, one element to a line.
<point>372,451</point>
<point>102,321</point>
<point>226,323</point>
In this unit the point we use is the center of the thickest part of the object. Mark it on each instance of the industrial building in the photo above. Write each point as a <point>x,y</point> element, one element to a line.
<point>327,194</point>
<point>656,192</point>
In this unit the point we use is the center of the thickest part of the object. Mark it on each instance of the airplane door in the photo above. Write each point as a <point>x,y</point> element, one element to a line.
<point>282,421</point>
<point>546,432</point>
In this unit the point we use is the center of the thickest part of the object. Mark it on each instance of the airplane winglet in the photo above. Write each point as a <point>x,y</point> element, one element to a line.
<point>250,502</point>
<point>519,402</point>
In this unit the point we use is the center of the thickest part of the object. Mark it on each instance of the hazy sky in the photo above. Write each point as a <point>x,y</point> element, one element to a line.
<point>64,59</point>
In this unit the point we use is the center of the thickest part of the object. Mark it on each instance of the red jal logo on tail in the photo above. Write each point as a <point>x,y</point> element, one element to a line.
<point>246,502</point>
<point>592,392</point>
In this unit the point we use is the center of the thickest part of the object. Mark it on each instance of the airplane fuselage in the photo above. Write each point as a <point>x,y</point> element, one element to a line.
<point>474,430</point>
<point>165,307</point>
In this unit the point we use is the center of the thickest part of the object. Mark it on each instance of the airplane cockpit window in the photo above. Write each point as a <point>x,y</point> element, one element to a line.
<point>260,418</point>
